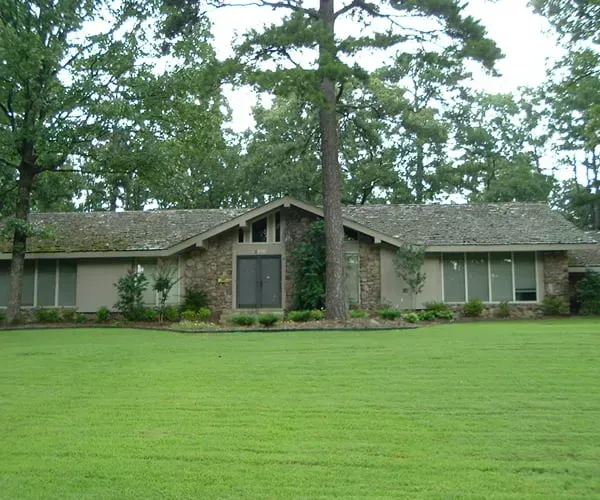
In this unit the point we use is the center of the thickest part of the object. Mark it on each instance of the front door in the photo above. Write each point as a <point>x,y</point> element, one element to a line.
<point>259,281</point>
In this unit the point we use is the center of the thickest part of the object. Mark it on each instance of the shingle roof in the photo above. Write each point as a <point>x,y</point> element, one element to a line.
<point>121,231</point>
<point>429,225</point>
<point>481,224</point>
<point>588,258</point>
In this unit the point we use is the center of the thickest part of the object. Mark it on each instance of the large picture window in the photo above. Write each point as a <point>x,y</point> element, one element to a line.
<point>490,277</point>
<point>46,283</point>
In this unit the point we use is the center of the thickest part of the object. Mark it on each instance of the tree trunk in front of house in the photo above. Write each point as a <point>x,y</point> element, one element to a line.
<point>335,296</point>
<point>26,177</point>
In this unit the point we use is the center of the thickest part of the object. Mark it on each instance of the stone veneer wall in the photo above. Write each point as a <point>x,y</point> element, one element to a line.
<point>556,275</point>
<point>370,273</point>
<point>295,224</point>
<point>211,269</point>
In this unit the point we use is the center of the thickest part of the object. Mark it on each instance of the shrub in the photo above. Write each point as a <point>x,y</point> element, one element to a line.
<point>102,314</point>
<point>44,315</point>
<point>359,313</point>
<point>194,299</point>
<point>299,316</point>
<point>189,316</point>
<point>427,316</point>
<point>203,313</point>
<point>131,288</point>
<point>80,318</point>
<point>165,278</point>
<point>193,325</point>
<point>503,310</point>
<point>308,260</point>
<point>267,319</point>
<point>437,307</point>
<point>150,314</point>
<point>2,316</point>
<point>588,293</point>
<point>473,308</point>
<point>317,314</point>
<point>171,314</point>
<point>390,314</point>
<point>243,319</point>
<point>444,315</point>
<point>554,306</point>
<point>411,317</point>
<point>69,315</point>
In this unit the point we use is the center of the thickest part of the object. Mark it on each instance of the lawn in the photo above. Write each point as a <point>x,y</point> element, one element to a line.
<point>480,410</point>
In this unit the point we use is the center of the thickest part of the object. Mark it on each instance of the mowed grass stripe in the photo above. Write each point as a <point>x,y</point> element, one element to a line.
<point>481,410</point>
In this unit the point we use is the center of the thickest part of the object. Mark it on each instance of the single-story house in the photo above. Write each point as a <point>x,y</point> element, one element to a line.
<point>241,258</point>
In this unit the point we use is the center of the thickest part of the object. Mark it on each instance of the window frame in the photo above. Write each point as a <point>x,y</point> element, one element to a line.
<point>490,294</point>
<point>56,284</point>
<point>245,233</point>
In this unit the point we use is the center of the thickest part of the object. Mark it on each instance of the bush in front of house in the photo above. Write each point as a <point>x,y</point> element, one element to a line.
<point>473,309</point>
<point>447,315</point>
<point>267,319</point>
<point>503,310</point>
<point>171,314</point>
<point>554,306</point>
<point>390,314</point>
<point>150,314</point>
<point>2,316</point>
<point>194,299</point>
<point>80,318</point>
<point>317,314</point>
<point>299,316</point>
<point>130,289</point>
<point>47,315</point>
<point>203,314</point>
<point>437,307</point>
<point>243,319</point>
<point>102,314</point>
<point>588,293</point>
<point>427,316</point>
<point>411,317</point>
<point>308,261</point>
<point>193,325</point>
<point>359,313</point>
<point>68,315</point>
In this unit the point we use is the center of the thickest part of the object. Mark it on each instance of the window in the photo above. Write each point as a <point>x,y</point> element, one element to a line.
<point>454,277</point>
<point>149,268</point>
<point>501,275</point>
<point>264,230</point>
<point>259,231</point>
<point>352,278</point>
<point>490,277</point>
<point>478,277</point>
<point>525,287</point>
<point>46,283</point>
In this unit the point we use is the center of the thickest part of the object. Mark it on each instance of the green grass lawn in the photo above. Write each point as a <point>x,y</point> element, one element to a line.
<point>481,410</point>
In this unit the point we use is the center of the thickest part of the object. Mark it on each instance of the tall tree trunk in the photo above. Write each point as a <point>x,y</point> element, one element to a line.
<point>335,296</point>
<point>420,172</point>
<point>26,177</point>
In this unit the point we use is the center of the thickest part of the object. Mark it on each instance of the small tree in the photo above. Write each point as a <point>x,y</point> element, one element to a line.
<point>588,293</point>
<point>165,278</point>
<point>409,262</point>
<point>131,288</point>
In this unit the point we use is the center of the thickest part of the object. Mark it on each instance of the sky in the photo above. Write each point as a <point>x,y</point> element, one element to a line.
<point>525,38</point>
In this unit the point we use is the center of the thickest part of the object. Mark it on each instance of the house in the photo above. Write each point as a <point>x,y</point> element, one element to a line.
<point>242,257</point>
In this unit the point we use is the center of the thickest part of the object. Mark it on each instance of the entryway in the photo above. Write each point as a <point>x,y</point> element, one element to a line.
<point>259,281</point>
